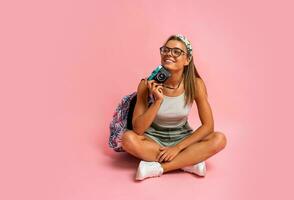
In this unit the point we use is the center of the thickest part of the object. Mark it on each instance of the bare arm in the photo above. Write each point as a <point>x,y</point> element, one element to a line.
<point>205,114</point>
<point>144,116</point>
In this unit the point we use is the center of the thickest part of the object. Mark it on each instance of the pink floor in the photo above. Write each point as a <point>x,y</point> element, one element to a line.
<point>66,64</point>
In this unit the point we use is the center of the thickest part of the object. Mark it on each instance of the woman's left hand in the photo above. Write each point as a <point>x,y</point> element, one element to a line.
<point>168,153</point>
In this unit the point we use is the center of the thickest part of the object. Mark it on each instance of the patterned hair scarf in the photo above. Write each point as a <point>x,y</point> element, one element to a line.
<point>186,41</point>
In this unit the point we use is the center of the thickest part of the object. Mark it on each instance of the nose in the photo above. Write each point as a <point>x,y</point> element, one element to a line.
<point>169,53</point>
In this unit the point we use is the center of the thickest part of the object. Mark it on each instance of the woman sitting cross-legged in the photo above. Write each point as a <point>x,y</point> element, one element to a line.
<point>162,137</point>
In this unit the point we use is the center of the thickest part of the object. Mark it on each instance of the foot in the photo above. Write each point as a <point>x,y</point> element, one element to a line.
<point>199,169</point>
<point>148,169</point>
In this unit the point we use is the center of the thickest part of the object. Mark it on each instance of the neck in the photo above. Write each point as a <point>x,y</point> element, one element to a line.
<point>174,80</point>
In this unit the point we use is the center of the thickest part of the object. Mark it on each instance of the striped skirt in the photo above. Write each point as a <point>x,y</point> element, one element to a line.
<point>168,136</point>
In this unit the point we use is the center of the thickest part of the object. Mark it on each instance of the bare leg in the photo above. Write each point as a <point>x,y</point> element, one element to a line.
<point>197,152</point>
<point>140,146</point>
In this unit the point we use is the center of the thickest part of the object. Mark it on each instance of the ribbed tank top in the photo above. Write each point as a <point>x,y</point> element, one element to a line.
<point>172,112</point>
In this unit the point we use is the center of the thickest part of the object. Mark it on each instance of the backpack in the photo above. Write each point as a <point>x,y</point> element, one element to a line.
<point>122,120</point>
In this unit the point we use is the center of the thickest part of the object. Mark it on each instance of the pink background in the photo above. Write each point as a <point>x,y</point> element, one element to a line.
<point>66,64</point>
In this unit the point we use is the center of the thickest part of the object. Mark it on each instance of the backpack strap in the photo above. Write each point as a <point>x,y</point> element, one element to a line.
<point>150,100</point>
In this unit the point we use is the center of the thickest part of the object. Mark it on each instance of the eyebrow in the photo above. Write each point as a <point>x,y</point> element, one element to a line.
<point>174,48</point>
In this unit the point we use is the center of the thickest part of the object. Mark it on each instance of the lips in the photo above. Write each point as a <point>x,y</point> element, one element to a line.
<point>168,60</point>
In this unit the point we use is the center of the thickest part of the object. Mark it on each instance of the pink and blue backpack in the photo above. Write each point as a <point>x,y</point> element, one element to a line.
<point>122,120</point>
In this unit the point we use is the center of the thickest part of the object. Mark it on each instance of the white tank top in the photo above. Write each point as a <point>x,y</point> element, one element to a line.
<point>172,112</point>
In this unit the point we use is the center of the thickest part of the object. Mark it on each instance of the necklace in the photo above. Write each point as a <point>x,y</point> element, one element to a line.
<point>173,87</point>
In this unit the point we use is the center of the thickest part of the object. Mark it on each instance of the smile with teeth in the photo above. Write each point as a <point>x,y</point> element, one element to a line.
<point>168,61</point>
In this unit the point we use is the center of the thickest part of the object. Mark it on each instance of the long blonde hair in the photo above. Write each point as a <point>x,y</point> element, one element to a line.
<point>190,73</point>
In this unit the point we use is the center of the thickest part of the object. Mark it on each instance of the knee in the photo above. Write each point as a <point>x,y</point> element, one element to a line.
<point>219,141</point>
<point>128,139</point>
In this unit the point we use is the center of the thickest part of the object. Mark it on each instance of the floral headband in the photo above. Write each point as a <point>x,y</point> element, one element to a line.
<point>186,41</point>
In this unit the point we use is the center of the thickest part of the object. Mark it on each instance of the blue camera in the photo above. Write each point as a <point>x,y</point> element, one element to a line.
<point>160,74</point>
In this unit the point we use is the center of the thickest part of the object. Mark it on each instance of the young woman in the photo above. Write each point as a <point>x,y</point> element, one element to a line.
<point>162,137</point>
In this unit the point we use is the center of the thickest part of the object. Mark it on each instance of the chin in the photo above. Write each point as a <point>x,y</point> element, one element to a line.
<point>168,65</point>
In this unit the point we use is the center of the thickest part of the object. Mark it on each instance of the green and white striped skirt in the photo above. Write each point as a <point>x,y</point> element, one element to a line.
<point>168,136</point>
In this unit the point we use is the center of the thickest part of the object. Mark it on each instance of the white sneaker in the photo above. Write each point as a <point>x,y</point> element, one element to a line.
<point>199,169</point>
<point>148,169</point>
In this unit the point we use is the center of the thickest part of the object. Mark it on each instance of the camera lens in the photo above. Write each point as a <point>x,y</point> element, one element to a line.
<point>160,77</point>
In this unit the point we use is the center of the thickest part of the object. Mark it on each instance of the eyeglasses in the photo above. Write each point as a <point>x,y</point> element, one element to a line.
<point>176,52</point>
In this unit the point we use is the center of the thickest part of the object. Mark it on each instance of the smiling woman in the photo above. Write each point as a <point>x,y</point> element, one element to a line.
<point>161,135</point>
<point>176,56</point>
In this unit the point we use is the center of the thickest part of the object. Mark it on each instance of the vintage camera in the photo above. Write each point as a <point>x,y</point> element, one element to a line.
<point>160,74</point>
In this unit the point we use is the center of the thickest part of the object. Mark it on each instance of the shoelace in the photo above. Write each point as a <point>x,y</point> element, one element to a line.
<point>154,167</point>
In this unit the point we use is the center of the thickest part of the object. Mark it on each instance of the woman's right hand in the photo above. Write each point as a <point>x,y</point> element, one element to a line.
<point>156,89</point>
